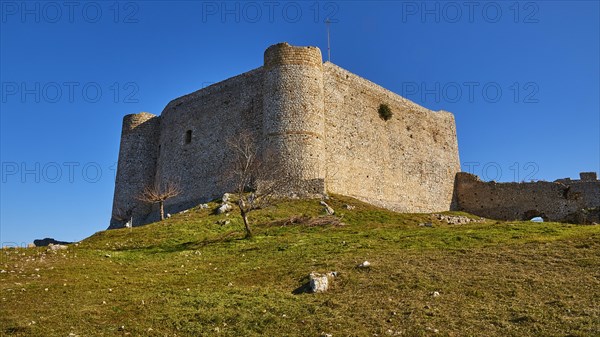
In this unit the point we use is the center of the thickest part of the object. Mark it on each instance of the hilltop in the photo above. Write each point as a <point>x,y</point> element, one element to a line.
<point>194,274</point>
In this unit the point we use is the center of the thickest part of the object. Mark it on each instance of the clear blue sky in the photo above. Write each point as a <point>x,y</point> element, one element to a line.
<point>522,79</point>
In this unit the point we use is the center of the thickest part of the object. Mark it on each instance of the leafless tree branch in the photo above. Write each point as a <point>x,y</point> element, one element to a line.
<point>157,194</point>
<point>256,179</point>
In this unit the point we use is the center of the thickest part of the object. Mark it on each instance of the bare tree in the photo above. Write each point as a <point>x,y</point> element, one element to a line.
<point>256,180</point>
<point>157,194</point>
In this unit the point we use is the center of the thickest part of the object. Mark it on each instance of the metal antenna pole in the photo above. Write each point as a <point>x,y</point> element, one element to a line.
<point>327,22</point>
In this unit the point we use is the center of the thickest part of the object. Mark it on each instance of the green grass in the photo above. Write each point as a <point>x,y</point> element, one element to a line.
<point>189,276</point>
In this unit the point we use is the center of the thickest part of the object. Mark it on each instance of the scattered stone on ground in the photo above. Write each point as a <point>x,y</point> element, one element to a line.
<point>223,222</point>
<point>224,208</point>
<point>308,221</point>
<point>432,330</point>
<point>456,219</point>
<point>328,208</point>
<point>57,247</point>
<point>426,224</point>
<point>349,207</point>
<point>435,294</point>
<point>203,206</point>
<point>365,264</point>
<point>225,198</point>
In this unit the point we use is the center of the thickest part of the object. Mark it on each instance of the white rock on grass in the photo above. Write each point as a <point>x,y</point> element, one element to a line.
<point>319,283</point>
<point>328,208</point>
<point>224,208</point>
<point>365,264</point>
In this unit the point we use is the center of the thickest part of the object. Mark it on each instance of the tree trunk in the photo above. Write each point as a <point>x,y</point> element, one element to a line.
<point>246,225</point>
<point>162,210</point>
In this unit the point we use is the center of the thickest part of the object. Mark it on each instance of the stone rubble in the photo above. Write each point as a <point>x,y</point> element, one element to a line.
<point>456,219</point>
<point>328,208</point>
<point>224,208</point>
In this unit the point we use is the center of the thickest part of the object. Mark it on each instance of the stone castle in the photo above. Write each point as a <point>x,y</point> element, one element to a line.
<point>322,123</point>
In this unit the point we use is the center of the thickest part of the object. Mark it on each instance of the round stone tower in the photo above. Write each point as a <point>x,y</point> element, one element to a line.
<point>137,167</point>
<point>293,116</point>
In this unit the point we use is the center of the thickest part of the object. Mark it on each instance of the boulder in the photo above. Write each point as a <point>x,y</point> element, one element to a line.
<point>319,283</point>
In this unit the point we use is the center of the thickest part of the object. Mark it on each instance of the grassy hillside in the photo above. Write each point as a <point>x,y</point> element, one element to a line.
<point>190,276</point>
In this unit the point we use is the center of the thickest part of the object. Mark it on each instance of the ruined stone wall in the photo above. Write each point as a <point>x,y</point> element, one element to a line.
<point>553,201</point>
<point>407,163</point>
<point>136,168</point>
<point>200,162</point>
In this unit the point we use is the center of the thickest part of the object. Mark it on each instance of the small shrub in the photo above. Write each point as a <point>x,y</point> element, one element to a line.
<point>385,112</point>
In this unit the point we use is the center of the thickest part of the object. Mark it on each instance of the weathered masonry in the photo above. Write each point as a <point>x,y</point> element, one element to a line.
<point>564,200</point>
<point>320,120</point>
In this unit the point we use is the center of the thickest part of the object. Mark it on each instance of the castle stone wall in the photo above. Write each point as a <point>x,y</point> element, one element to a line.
<point>407,163</point>
<point>213,116</point>
<point>553,201</point>
<point>318,122</point>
